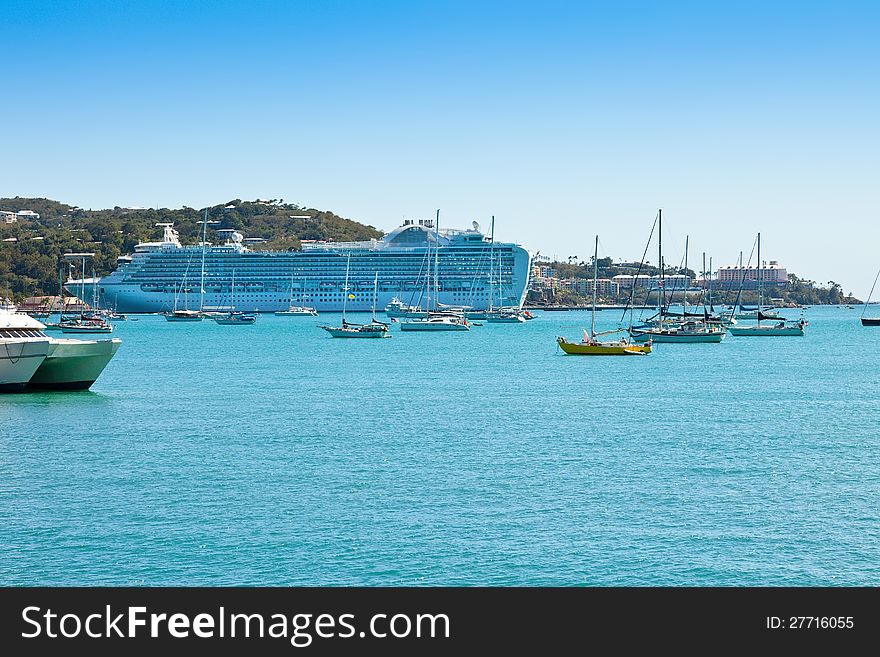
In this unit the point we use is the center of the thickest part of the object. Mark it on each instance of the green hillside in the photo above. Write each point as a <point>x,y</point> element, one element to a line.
<point>31,248</point>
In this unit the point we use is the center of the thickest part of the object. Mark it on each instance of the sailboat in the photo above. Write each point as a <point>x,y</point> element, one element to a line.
<point>187,315</point>
<point>184,314</point>
<point>435,319</point>
<point>779,327</point>
<point>499,315</point>
<point>375,329</point>
<point>667,328</point>
<point>870,321</point>
<point>591,345</point>
<point>397,308</point>
<point>293,310</point>
<point>235,317</point>
<point>85,323</point>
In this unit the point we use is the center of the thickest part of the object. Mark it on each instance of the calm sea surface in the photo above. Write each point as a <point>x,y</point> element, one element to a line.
<point>273,454</point>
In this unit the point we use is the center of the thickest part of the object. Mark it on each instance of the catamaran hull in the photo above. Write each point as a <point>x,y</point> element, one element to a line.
<point>73,364</point>
<point>19,361</point>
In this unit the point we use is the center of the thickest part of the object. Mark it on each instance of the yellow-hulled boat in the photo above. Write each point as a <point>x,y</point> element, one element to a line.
<point>590,346</point>
<point>593,347</point>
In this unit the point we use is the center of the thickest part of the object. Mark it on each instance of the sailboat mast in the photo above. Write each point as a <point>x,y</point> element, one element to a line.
<point>232,300</point>
<point>708,280</point>
<point>375,293</point>
<point>204,246</point>
<point>760,281</point>
<point>870,294</point>
<point>595,285</point>
<point>492,266</point>
<point>82,288</point>
<point>661,301</point>
<point>437,263</point>
<point>345,289</point>
<point>684,305</point>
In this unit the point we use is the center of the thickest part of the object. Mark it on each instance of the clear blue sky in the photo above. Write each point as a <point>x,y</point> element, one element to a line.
<point>561,119</point>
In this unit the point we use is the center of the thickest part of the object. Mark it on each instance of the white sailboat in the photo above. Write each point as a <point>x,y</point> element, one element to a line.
<point>234,317</point>
<point>185,314</point>
<point>668,328</point>
<point>499,314</point>
<point>182,314</point>
<point>870,321</point>
<point>85,323</point>
<point>779,326</point>
<point>375,329</point>
<point>397,308</point>
<point>434,319</point>
<point>294,310</point>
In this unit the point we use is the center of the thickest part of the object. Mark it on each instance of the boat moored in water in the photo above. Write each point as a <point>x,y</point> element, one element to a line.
<point>436,322</point>
<point>235,318</point>
<point>23,348</point>
<point>591,345</point>
<point>374,329</point>
<point>85,325</point>
<point>73,364</point>
<point>680,332</point>
<point>870,321</point>
<point>293,311</point>
<point>350,330</point>
<point>397,309</point>
<point>504,317</point>
<point>783,327</point>
<point>183,316</point>
<point>779,326</point>
<point>681,327</point>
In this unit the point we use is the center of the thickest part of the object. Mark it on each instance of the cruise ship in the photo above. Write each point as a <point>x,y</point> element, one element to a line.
<point>416,264</point>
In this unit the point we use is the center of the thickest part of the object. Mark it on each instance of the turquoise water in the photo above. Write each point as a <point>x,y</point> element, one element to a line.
<point>273,454</point>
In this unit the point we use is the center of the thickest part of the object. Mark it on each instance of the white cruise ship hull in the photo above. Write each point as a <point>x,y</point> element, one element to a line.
<point>466,270</point>
<point>133,300</point>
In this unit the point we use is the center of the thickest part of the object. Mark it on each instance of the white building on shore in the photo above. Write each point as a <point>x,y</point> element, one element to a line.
<point>12,217</point>
<point>772,272</point>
